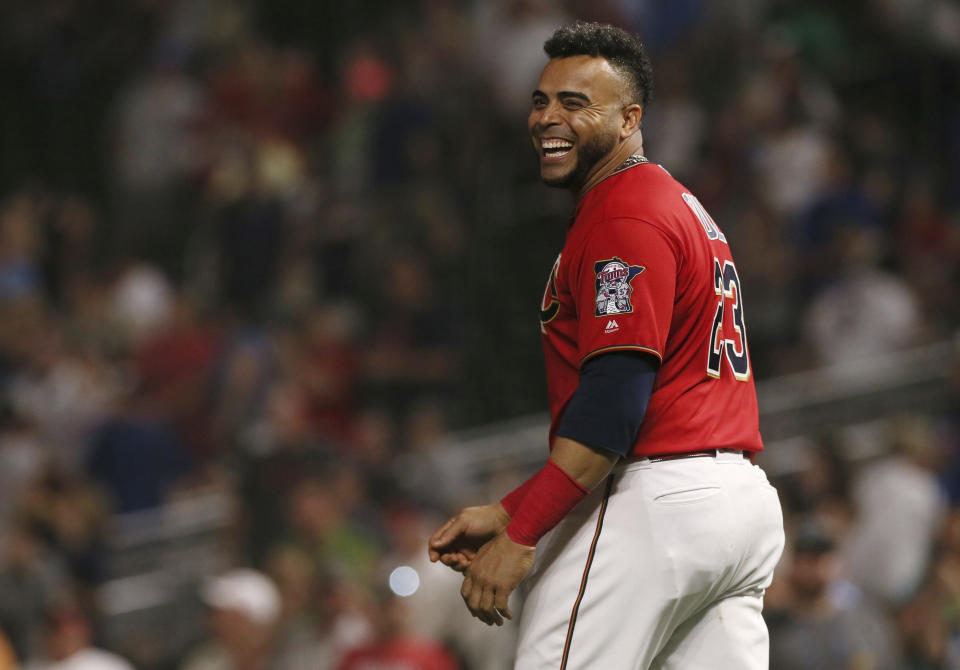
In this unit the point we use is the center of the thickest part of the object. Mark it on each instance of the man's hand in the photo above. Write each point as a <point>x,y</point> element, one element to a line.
<point>458,540</point>
<point>491,577</point>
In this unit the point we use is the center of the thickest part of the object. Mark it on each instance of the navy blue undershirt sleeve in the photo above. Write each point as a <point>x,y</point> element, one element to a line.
<point>607,408</point>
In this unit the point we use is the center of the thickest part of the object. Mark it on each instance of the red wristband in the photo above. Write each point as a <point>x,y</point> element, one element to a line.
<point>550,497</point>
<point>512,500</point>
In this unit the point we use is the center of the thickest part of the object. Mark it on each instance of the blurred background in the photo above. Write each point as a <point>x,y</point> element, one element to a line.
<point>269,276</point>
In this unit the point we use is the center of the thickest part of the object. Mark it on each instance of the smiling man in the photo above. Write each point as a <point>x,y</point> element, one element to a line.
<point>648,537</point>
<point>576,129</point>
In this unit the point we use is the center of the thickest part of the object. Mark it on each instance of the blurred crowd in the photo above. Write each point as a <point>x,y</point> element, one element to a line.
<point>278,250</point>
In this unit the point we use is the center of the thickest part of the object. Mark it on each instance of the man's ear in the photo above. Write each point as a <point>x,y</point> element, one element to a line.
<point>630,123</point>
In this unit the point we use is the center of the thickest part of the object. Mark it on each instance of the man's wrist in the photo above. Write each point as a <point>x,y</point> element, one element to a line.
<point>516,546</point>
<point>514,499</point>
<point>502,514</point>
<point>551,496</point>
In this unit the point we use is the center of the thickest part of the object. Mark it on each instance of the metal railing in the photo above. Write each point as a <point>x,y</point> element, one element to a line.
<point>157,560</point>
<point>792,407</point>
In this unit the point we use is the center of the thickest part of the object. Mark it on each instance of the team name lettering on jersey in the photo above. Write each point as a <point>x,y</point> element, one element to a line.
<point>613,286</point>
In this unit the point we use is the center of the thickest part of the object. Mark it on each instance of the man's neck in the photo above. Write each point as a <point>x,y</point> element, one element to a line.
<point>605,167</point>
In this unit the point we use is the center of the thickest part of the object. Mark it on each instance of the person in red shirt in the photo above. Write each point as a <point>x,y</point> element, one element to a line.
<point>648,537</point>
<point>394,647</point>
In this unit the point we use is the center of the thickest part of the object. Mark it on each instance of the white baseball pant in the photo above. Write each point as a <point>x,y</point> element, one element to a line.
<point>661,567</point>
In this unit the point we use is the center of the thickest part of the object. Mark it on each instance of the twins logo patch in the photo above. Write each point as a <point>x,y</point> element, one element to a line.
<point>613,286</point>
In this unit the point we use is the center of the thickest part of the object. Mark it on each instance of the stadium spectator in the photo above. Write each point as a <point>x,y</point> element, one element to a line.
<point>889,547</point>
<point>68,645</point>
<point>825,623</point>
<point>511,32</point>
<point>244,607</point>
<point>867,312</point>
<point>156,151</point>
<point>393,645</point>
<point>32,579</point>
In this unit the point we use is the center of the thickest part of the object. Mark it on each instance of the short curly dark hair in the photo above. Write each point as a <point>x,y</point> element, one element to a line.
<point>622,50</point>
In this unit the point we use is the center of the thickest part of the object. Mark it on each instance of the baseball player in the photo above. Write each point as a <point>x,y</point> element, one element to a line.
<point>648,537</point>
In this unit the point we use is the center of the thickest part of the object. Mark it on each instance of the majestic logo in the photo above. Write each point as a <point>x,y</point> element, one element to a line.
<point>612,326</point>
<point>613,286</point>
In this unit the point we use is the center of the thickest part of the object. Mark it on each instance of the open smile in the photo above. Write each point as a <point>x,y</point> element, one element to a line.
<point>555,149</point>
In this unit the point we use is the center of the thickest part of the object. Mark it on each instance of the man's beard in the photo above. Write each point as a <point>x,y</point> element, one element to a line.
<point>588,155</point>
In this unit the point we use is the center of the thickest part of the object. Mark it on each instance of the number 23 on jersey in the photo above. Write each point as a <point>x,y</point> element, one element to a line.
<point>726,284</point>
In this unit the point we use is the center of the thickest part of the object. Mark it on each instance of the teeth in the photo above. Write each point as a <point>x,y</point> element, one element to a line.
<point>556,144</point>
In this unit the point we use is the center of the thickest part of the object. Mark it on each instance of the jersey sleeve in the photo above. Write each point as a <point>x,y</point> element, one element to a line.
<point>624,286</point>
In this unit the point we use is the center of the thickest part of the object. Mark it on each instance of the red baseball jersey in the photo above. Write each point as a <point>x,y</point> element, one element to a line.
<point>644,268</point>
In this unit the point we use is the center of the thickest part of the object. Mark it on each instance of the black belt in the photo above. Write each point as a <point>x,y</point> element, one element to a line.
<point>696,454</point>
